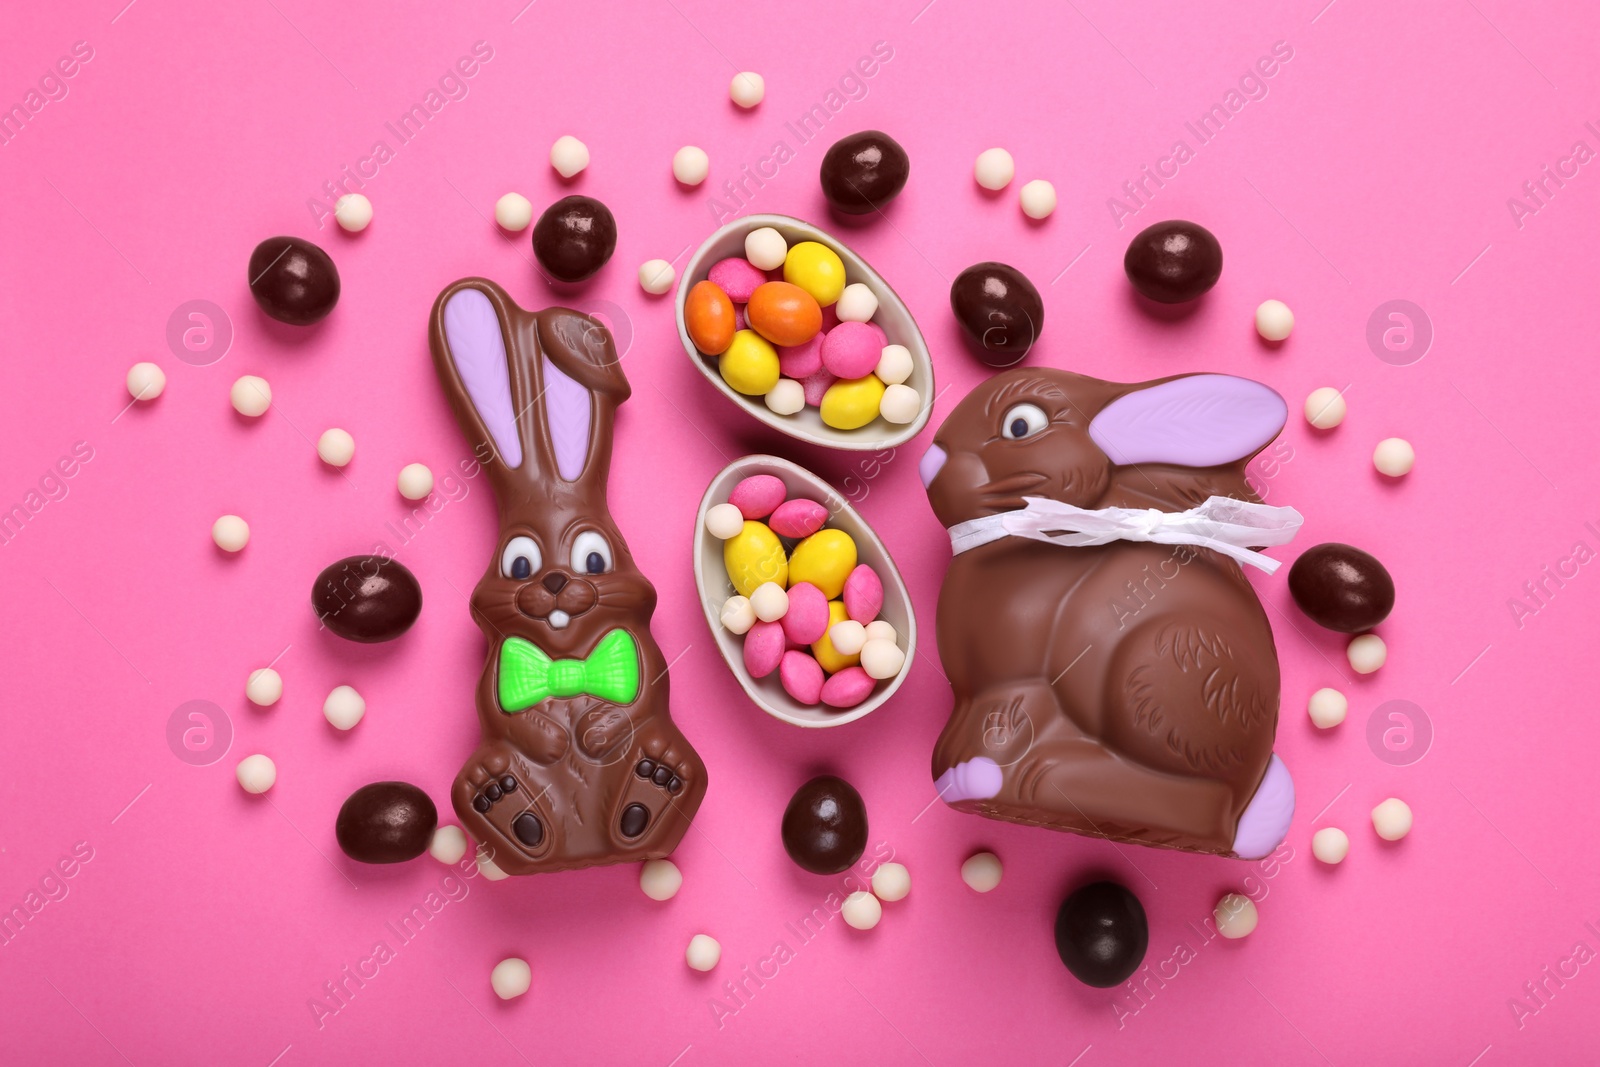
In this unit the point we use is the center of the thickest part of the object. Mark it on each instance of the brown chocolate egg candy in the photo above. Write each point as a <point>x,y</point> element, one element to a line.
<point>1342,588</point>
<point>999,310</point>
<point>293,280</point>
<point>367,598</point>
<point>574,238</point>
<point>825,825</point>
<point>863,172</point>
<point>1173,262</point>
<point>386,822</point>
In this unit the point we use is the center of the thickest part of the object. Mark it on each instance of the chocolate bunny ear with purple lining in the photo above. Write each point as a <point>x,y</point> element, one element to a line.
<point>470,321</point>
<point>583,383</point>
<point>1199,420</point>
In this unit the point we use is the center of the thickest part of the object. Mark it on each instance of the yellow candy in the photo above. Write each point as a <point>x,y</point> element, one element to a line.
<point>750,364</point>
<point>754,556</point>
<point>850,405</point>
<point>832,661</point>
<point>817,269</point>
<point>825,559</point>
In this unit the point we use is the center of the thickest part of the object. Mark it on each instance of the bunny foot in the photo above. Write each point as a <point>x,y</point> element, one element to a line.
<point>503,801</point>
<point>658,777</point>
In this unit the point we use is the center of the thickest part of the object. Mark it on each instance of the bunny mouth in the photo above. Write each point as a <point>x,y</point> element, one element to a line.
<point>558,619</point>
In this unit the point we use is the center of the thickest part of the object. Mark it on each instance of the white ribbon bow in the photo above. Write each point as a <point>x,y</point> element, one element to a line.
<point>1221,524</point>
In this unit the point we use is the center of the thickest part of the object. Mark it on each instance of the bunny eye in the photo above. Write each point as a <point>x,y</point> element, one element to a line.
<point>1023,420</point>
<point>591,554</point>
<point>520,558</point>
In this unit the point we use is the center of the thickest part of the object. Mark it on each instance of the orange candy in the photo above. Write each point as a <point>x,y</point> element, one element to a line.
<point>708,316</point>
<point>784,314</point>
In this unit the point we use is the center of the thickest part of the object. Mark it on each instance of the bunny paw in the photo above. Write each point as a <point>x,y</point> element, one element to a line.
<point>659,774</point>
<point>503,801</point>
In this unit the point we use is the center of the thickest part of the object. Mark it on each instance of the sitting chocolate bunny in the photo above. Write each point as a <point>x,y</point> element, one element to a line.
<point>580,762</point>
<point>1124,686</point>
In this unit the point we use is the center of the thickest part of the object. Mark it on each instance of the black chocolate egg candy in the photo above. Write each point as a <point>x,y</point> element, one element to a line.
<point>574,237</point>
<point>863,172</point>
<point>825,825</point>
<point>1101,934</point>
<point>1173,262</point>
<point>292,280</point>
<point>367,598</point>
<point>1341,587</point>
<point>386,822</point>
<point>999,311</point>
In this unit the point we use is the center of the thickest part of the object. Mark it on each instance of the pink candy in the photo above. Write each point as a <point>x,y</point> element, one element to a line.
<point>852,349</point>
<point>737,277</point>
<point>802,677</point>
<point>758,495</point>
<point>807,618</point>
<point>816,385</point>
<point>847,688</point>
<point>763,649</point>
<point>801,361</point>
<point>798,518</point>
<point>863,594</point>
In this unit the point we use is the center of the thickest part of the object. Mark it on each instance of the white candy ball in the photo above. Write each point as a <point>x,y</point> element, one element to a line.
<point>861,910</point>
<point>1394,457</point>
<point>251,396</point>
<point>1274,320</point>
<point>145,381</point>
<point>344,707</point>
<point>1236,916</point>
<point>488,867</point>
<point>336,447</point>
<point>747,88</point>
<point>353,212</point>
<point>703,952</point>
<point>786,398</point>
<point>994,168</point>
<point>513,212</point>
<point>737,615</point>
<point>448,845</point>
<point>891,882</point>
<point>256,773</point>
<point>1325,408</point>
<point>569,155</point>
<point>894,365</point>
<point>231,533</point>
<point>690,165</point>
<point>660,879</point>
<point>415,481</point>
<point>264,687</point>
<point>881,659</point>
<point>847,637</point>
<point>765,248</point>
<point>1327,708</point>
<point>1392,819</point>
<point>981,871</point>
<point>900,404</point>
<point>511,978</point>
<point>857,303</point>
<point>724,521</point>
<point>880,628</point>
<point>1367,653</point>
<point>1038,199</point>
<point>770,602</point>
<point>1330,844</point>
<point>656,276</point>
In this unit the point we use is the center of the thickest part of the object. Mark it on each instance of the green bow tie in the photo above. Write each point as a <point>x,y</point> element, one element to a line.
<point>528,675</point>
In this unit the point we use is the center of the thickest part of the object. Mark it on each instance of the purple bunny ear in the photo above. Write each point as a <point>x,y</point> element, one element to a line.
<point>568,412</point>
<point>1202,420</point>
<point>478,350</point>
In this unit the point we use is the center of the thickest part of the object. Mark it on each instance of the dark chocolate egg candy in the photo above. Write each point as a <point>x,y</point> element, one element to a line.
<point>999,311</point>
<point>1341,587</point>
<point>367,598</point>
<point>292,280</point>
<point>864,171</point>
<point>386,822</point>
<point>574,237</point>
<point>825,825</point>
<point>1101,934</point>
<point>1172,262</point>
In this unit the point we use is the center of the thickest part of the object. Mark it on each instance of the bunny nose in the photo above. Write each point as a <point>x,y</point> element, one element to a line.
<point>932,462</point>
<point>554,581</point>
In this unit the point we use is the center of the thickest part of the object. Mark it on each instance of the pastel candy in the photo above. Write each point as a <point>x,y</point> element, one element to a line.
<point>832,659</point>
<point>754,556</point>
<point>847,688</point>
<point>807,618</point>
<point>817,387</point>
<point>863,594</point>
<point>852,349</point>
<point>802,677</point>
<point>758,495</point>
<point>763,648</point>
<point>825,559</point>
<point>798,518</point>
<point>801,361</point>
<point>738,278</point>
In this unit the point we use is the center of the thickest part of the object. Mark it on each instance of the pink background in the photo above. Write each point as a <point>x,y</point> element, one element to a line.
<point>1377,167</point>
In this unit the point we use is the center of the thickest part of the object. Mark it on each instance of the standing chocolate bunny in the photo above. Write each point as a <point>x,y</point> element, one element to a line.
<point>1114,672</point>
<point>580,762</point>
